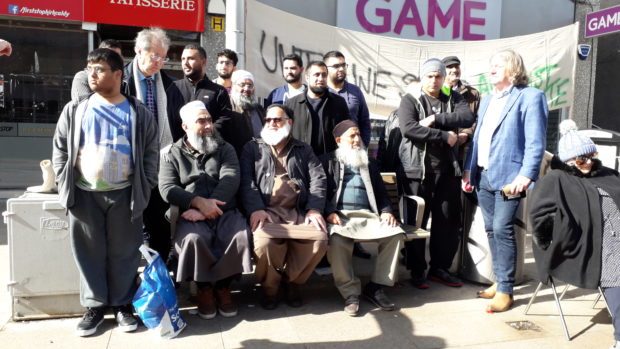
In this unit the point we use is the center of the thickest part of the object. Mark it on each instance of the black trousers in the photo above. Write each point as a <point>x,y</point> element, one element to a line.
<point>442,194</point>
<point>156,226</point>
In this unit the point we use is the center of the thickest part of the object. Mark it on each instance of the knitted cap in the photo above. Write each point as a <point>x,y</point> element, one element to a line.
<point>342,127</point>
<point>241,75</point>
<point>573,144</point>
<point>433,65</point>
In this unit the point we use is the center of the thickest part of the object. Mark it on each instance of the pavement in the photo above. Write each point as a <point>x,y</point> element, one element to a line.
<point>438,317</point>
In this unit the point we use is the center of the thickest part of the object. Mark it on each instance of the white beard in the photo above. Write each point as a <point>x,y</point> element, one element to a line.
<point>274,138</point>
<point>355,158</point>
<point>245,102</point>
<point>203,144</point>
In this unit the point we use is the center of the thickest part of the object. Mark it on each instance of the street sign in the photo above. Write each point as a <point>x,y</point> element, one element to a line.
<point>603,22</point>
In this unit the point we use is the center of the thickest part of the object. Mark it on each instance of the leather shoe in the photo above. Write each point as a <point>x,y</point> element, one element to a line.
<point>501,302</point>
<point>489,293</point>
<point>380,299</point>
<point>293,295</point>
<point>352,305</point>
<point>359,251</point>
<point>269,302</point>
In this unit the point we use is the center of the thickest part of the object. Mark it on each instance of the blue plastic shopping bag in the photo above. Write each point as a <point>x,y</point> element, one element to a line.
<point>155,300</point>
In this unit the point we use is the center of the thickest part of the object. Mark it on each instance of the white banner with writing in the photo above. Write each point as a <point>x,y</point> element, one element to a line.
<point>383,66</point>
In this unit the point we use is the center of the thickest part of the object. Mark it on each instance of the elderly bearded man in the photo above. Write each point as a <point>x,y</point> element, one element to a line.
<point>200,174</point>
<point>358,208</point>
<point>247,117</point>
<point>283,191</point>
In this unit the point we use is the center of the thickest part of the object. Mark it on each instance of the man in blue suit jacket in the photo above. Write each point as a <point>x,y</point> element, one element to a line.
<point>506,153</point>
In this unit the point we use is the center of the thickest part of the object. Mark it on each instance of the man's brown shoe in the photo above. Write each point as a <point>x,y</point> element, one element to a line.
<point>489,293</point>
<point>501,302</point>
<point>225,304</point>
<point>206,303</point>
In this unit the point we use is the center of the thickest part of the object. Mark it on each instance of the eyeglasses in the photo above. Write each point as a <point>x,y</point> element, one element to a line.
<point>276,120</point>
<point>338,66</point>
<point>580,160</point>
<point>96,70</point>
<point>156,58</point>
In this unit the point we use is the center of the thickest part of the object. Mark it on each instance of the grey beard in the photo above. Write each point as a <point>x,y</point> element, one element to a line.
<point>274,138</point>
<point>203,144</point>
<point>352,157</point>
<point>245,102</point>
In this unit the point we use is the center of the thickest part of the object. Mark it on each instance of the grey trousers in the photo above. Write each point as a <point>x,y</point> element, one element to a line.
<point>105,245</point>
<point>340,256</point>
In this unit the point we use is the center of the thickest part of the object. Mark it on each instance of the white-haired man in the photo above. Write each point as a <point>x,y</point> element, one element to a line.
<point>358,208</point>
<point>145,80</point>
<point>200,174</point>
<point>283,191</point>
<point>248,114</point>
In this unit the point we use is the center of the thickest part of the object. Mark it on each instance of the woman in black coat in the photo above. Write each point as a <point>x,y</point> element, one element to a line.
<point>576,220</point>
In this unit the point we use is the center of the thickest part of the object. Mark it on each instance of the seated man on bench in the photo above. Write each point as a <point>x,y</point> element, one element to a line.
<point>283,191</point>
<point>200,174</point>
<point>358,208</point>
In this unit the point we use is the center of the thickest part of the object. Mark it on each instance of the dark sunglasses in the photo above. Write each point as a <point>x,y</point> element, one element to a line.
<point>276,120</point>
<point>580,160</point>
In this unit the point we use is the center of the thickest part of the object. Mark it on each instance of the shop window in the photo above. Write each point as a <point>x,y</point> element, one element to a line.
<point>37,76</point>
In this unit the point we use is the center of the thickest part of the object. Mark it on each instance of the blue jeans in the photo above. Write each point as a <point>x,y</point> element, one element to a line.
<point>499,217</point>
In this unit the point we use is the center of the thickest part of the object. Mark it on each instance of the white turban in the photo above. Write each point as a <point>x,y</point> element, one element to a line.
<point>190,110</point>
<point>241,75</point>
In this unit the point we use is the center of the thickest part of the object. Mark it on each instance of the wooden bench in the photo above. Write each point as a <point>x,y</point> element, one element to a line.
<point>398,207</point>
<point>400,211</point>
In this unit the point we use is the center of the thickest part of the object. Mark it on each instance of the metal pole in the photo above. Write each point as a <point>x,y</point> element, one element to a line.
<point>235,29</point>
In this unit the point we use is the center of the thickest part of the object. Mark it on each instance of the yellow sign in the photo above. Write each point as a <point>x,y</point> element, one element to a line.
<point>217,23</point>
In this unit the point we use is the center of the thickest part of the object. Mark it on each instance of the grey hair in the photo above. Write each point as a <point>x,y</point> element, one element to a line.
<point>146,37</point>
<point>515,67</point>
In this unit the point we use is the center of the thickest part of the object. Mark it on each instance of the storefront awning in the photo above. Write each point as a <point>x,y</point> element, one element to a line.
<point>168,14</point>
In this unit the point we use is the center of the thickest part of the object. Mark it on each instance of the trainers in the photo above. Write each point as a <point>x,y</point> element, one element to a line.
<point>442,276</point>
<point>419,281</point>
<point>352,305</point>
<point>93,317</point>
<point>125,319</point>
<point>379,298</point>
<point>225,304</point>
<point>206,303</point>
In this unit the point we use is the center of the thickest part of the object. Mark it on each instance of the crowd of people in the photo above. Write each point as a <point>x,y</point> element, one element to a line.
<point>284,182</point>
